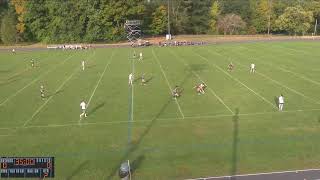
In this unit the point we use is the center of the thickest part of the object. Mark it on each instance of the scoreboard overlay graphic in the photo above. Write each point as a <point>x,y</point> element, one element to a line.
<point>26,167</point>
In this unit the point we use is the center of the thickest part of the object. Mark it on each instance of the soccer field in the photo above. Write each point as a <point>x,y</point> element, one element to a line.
<point>234,128</point>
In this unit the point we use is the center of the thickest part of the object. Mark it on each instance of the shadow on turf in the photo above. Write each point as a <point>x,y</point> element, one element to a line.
<point>98,106</point>
<point>134,146</point>
<point>234,160</point>
<point>8,82</point>
<point>276,101</point>
<point>198,67</point>
<point>135,164</point>
<point>77,170</point>
<point>53,94</point>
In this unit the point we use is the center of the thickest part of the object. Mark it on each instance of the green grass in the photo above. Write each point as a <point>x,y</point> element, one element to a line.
<point>234,128</point>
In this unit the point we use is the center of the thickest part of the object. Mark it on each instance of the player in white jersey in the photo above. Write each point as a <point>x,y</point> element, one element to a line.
<point>252,68</point>
<point>130,79</point>
<point>140,56</point>
<point>42,91</point>
<point>13,51</point>
<point>281,102</point>
<point>83,65</point>
<point>83,107</point>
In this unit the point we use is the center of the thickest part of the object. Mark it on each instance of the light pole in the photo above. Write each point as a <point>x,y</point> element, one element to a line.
<point>168,18</point>
<point>169,33</point>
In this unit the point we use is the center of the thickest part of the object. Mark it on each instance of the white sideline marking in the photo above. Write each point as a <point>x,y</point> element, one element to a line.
<point>157,60</point>
<point>159,119</point>
<point>98,83</point>
<point>59,88</point>
<point>213,64</point>
<point>35,80</point>
<point>256,174</point>
<point>196,74</point>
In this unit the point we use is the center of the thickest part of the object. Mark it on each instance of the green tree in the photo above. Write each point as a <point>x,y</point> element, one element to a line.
<point>159,21</point>
<point>263,16</point>
<point>295,20</point>
<point>214,13</point>
<point>8,28</point>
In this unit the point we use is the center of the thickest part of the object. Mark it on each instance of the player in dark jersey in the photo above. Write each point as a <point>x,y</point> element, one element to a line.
<point>143,80</point>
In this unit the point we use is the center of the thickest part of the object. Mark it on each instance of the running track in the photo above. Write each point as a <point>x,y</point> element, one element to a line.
<point>308,174</point>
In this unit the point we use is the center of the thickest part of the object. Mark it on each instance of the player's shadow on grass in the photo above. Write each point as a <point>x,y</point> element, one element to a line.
<point>139,79</point>
<point>54,94</point>
<point>91,66</point>
<point>133,146</point>
<point>135,164</point>
<point>5,71</point>
<point>234,160</point>
<point>80,168</point>
<point>97,107</point>
<point>198,67</point>
<point>8,82</point>
<point>276,102</point>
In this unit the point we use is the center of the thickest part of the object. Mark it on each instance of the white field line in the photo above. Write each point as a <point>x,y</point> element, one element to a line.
<point>45,103</point>
<point>280,84</point>
<point>101,76</point>
<point>26,69</point>
<point>257,94</point>
<point>256,174</point>
<point>159,119</point>
<point>286,70</point>
<point>98,83</point>
<point>157,60</point>
<point>35,80</point>
<point>76,69</point>
<point>197,75</point>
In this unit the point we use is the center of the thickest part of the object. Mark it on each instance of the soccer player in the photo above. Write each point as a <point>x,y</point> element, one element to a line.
<point>32,63</point>
<point>130,79</point>
<point>134,54</point>
<point>13,51</point>
<point>83,65</point>
<point>140,56</point>
<point>281,102</point>
<point>176,92</point>
<point>200,88</point>
<point>42,91</point>
<point>83,107</point>
<point>252,68</point>
<point>230,67</point>
<point>143,80</point>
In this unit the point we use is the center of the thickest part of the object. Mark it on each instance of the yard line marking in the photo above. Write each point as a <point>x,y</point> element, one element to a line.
<point>256,174</point>
<point>101,76</point>
<point>35,80</point>
<point>196,74</point>
<point>157,60</point>
<point>159,119</point>
<point>277,82</point>
<point>76,69</point>
<point>257,94</point>
<point>285,70</point>
<point>98,83</point>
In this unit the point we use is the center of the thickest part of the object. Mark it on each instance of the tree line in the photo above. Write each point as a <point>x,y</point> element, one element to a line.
<point>59,21</point>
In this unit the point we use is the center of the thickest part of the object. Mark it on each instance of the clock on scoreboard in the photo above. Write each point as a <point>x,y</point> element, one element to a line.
<point>26,167</point>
